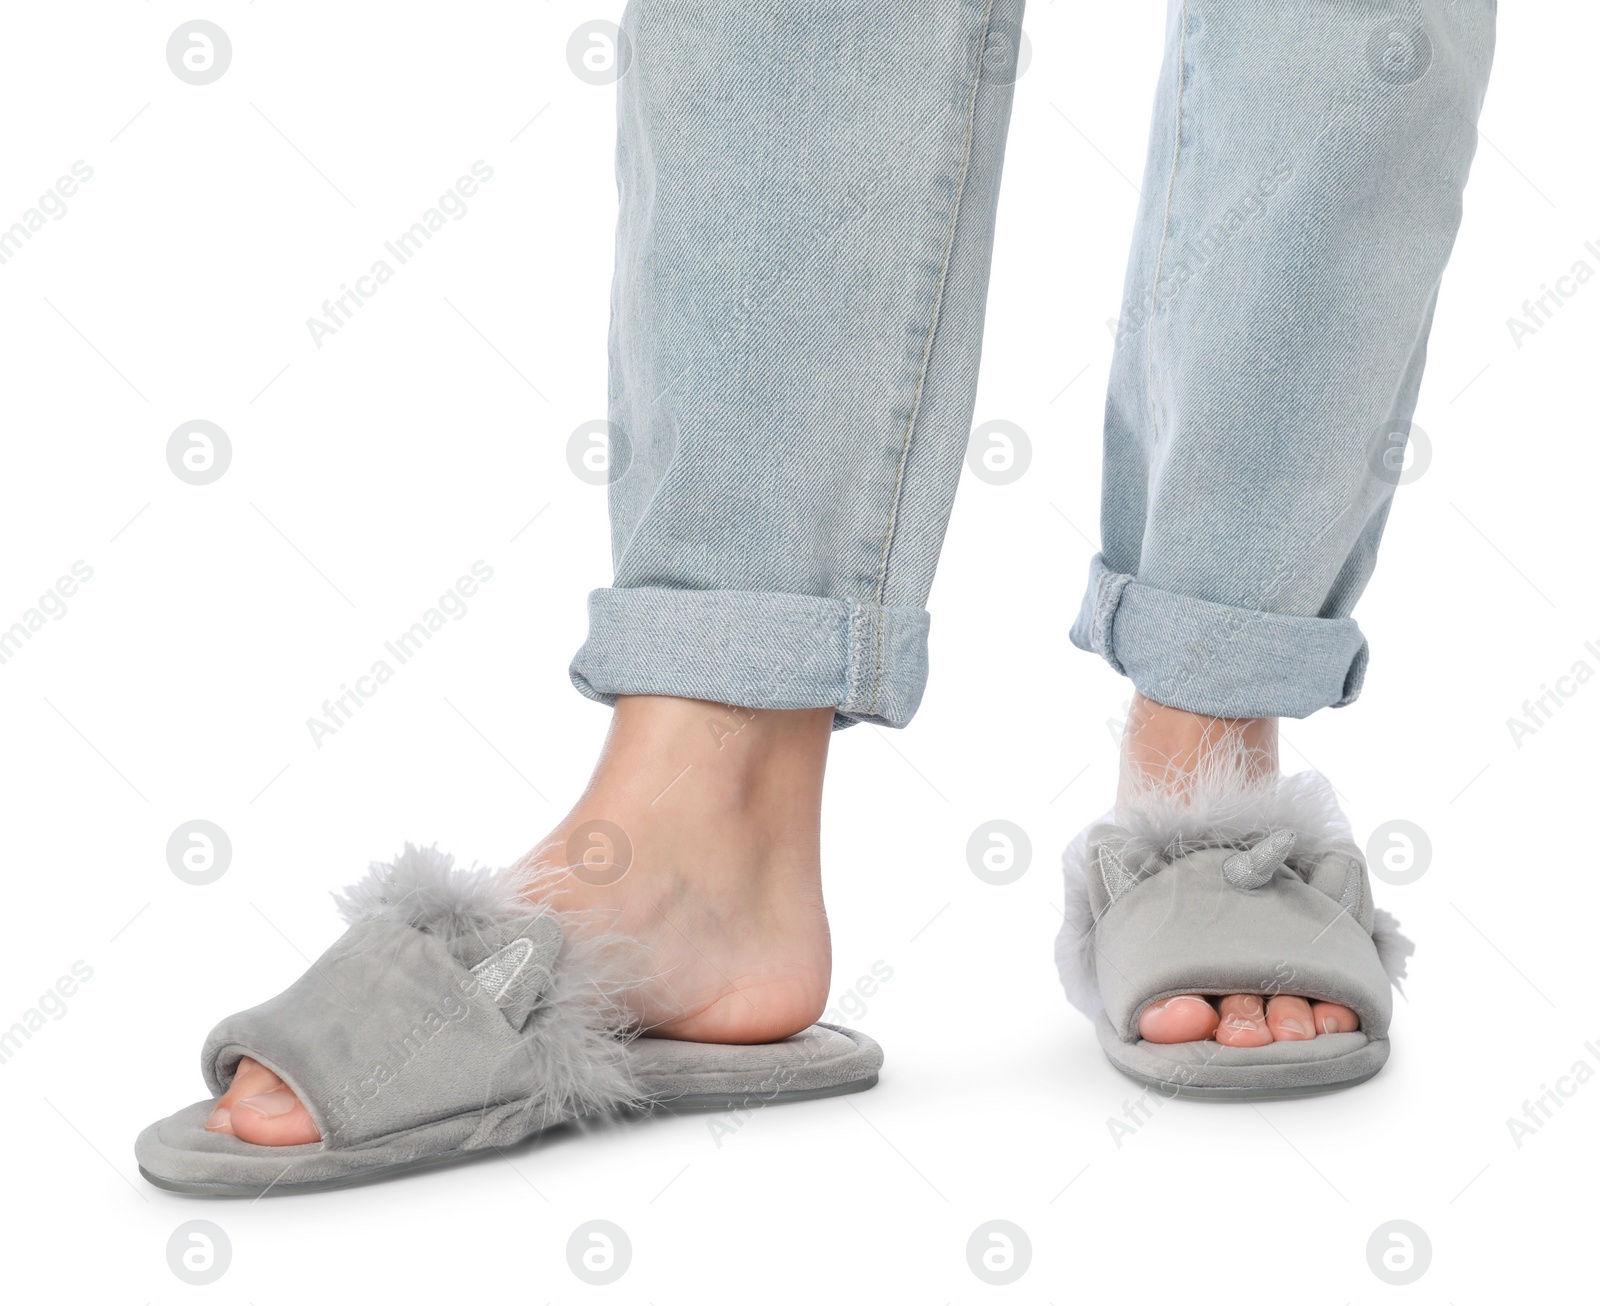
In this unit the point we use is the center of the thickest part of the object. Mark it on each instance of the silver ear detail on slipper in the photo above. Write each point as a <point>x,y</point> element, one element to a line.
<point>498,972</point>
<point>1256,866</point>
<point>517,977</point>
<point>1114,872</point>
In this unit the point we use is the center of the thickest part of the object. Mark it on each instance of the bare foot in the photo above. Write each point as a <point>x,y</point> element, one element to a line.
<point>699,835</point>
<point>1163,745</point>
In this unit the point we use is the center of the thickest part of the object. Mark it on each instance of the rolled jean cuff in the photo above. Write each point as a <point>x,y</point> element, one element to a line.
<point>760,650</point>
<point>1217,659</point>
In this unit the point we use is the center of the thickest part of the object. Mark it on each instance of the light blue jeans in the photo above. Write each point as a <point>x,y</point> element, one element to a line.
<point>808,193</point>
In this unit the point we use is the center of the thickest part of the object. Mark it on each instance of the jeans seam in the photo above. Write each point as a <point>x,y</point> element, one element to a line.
<point>857,637</point>
<point>927,346</point>
<point>1111,589</point>
<point>1166,219</point>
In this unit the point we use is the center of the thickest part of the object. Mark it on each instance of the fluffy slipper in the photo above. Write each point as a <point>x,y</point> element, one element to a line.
<point>1229,886</point>
<point>455,1017</point>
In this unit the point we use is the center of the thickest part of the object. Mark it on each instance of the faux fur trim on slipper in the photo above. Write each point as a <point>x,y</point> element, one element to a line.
<point>573,1025</point>
<point>1393,947</point>
<point>1223,805</point>
<point>1075,941</point>
<point>422,887</point>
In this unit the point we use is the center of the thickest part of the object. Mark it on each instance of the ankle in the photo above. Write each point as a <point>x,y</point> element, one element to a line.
<point>1163,747</point>
<point>693,800</point>
<point>689,755</point>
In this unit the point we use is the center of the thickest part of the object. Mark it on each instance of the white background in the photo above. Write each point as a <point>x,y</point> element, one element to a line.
<point>426,435</point>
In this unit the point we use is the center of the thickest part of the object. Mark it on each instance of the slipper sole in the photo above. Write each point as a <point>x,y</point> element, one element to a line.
<point>1208,1071</point>
<point>177,1154</point>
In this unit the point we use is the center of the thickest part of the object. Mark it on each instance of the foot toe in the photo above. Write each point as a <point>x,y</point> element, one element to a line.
<point>249,1077</point>
<point>1331,1018</point>
<point>1187,1018</point>
<point>260,1108</point>
<point>274,1119</point>
<point>1289,1019</point>
<point>1243,1022</point>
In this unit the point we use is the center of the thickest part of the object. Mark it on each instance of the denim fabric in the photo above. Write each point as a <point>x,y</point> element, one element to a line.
<point>806,213</point>
<point>1300,199</point>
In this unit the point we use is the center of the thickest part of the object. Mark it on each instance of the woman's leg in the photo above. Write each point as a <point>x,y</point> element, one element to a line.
<point>1302,194</point>
<point>807,205</point>
<point>807,197</point>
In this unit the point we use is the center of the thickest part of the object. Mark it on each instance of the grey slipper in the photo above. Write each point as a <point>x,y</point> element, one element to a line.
<point>1232,888</point>
<point>454,1018</point>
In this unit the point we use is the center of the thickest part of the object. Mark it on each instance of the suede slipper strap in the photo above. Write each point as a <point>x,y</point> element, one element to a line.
<point>385,1032</point>
<point>1211,923</point>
